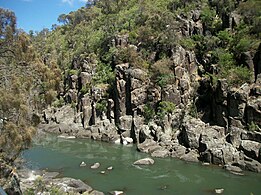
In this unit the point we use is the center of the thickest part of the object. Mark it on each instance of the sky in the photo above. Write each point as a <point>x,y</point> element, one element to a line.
<point>38,14</point>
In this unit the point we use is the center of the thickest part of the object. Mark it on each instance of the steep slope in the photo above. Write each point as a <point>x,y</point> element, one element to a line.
<point>180,78</point>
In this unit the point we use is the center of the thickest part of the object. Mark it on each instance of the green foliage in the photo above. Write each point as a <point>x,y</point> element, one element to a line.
<point>164,108</point>
<point>58,103</point>
<point>103,75</point>
<point>239,75</point>
<point>161,72</point>
<point>188,43</point>
<point>193,110</point>
<point>101,106</point>
<point>252,126</point>
<point>85,89</point>
<point>73,72</point>
<point>148,112</point>
<point>225,37</point>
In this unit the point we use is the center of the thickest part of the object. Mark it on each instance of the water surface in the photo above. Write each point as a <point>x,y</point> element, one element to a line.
<point>166,176</point>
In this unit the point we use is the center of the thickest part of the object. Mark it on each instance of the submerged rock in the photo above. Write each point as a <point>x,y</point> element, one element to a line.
<point>116,192</point>
<point>144,161</point>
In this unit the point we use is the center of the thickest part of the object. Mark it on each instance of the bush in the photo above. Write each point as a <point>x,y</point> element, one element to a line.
<point>103,75</point>
<point>239,75</point>
<point>252,126</point>
<point>148,112</point>
<point>101,106</point>
<point>188,43</point>
<point>165,107</point>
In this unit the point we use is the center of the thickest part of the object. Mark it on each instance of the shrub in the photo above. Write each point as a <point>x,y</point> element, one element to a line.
<point>165,107</point>
<point>148,112</point>
<point>239,75</point>
<point>188,43</point>
<point>101,106</point>
<point>252,126</point>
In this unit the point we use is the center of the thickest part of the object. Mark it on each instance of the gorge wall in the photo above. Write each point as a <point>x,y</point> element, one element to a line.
<point>214,124</point>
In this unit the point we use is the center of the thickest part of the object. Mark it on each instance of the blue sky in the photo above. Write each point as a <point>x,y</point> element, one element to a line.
<point>38,14</point>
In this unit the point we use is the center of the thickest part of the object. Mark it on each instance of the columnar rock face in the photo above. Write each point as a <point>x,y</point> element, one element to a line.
<point>214,124</point>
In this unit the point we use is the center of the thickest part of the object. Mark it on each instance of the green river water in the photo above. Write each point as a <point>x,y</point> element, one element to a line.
<point>166,176</point>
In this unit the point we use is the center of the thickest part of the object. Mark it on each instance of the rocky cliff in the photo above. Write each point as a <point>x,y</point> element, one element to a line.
<point>218,125</point>
<point>192,103</point>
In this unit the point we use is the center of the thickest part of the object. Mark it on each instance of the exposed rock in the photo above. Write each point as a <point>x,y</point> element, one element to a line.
<point>250,165</point>
<point>253,110</point>
<point>162,153</point>
<point>251,148</point>
<point>219,191</point>
<point>94,192</point>
<point>110,168</point>
<point>191,131</point>
<point>148,146</point>
<point>71,185</point>
<point>171,93</point>
<point>117,193</point>
<point>144,161</point>
<point>177,150</point>
<point>83,164</point>
<point>95,166</point>
<point>233,169</point>
<point>191,156</point>
<point>125,123</point>
<point>127,140</point>
<point>251,135</point>
<point>235,136</point>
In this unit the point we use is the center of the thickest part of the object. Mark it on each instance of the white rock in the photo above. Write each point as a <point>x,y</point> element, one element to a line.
<point>219,191</point>
<point>102,172</point>
<point>66,137</point>
<point>129,140</point>
<point>83,164</point>
<point>144,161</point>
<point>124,142</point>
<point>95,166</point>
<point>117,192</point>
<point>117,141</point>
<point>110,168</point>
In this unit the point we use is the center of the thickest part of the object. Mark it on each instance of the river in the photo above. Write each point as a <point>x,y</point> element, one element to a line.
<point>166,176</point>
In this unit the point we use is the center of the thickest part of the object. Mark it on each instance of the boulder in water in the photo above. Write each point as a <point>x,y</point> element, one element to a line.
<point>144,161</point>
<point>116,192</point>
<point>95,165</point>
<point>83,164</point>
<point>219,191</point>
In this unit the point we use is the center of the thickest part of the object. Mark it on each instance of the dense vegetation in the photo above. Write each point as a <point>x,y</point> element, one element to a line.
<point>33,65</point>
<point>26,86</point>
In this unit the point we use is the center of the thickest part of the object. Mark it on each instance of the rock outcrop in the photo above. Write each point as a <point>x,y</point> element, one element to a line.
<point>213,124</point>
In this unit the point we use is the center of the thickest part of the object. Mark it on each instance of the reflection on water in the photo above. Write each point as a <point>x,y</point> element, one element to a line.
<point>166,176</point>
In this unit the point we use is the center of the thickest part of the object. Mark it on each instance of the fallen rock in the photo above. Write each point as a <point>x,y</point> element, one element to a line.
<point>144,161</point>
<point>160,153</point>
<point>233,169</point>
<point>83,164</point>
<point>71,185</point>
<point>192,156</point>
<point>110,168</point>
<point>94,192</point>
<point>127,140</point>
<point>250,148</point>
<point>116,192</point>
<point>95,166</point>
<point>148,146</point>
<point>219,191</point>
